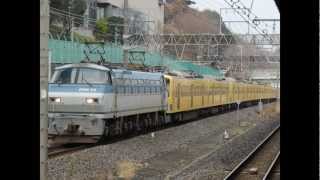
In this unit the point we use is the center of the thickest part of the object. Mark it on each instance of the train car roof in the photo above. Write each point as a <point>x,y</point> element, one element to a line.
<point>83,65</point>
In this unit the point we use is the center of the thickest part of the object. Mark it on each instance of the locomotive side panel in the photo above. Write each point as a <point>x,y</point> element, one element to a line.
<point>138,92</point>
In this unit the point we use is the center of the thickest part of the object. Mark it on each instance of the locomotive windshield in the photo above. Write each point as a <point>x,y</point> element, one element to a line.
<point>80,76</point>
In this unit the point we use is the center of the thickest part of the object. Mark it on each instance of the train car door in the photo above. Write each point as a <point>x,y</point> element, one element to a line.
<point>178,96</point>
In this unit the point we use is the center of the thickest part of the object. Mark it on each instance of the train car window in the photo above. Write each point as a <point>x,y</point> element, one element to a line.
<point>127,90</point>
<point>121,90</point>
<point>151,90</point>
<point>183,91</point>
<point>119,81</point>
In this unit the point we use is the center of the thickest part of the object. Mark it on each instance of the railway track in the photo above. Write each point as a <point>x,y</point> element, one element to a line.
<point>260,162</point>
<point>60,150</point>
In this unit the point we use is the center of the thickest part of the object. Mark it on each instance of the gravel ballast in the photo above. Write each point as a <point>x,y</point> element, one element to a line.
<point>169,151</point>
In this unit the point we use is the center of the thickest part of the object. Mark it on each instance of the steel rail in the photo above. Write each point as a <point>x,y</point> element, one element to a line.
<point>271,166</point>
<point>60,151</point>
<point>243,162</point>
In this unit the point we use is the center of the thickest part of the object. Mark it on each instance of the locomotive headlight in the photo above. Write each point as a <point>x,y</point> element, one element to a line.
<point>91,100</point>
<point>56,99</point>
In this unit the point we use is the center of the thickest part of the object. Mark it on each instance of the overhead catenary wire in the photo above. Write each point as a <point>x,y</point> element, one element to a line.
<point>251,5</point>
<point>250,14</point>
<point>236,27</point>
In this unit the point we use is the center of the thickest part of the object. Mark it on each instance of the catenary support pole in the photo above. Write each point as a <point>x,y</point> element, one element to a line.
<point>44,35</point>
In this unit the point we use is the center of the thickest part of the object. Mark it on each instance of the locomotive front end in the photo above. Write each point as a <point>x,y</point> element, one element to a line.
<point>80,99</point>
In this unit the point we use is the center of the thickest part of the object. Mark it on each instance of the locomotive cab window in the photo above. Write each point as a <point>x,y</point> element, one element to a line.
<point>81,76</point>
<point>64,76</point>
<point>92,76</point>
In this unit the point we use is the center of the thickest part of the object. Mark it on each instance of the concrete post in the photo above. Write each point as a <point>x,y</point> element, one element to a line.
<point>238,120</point>
<point>49,64</point>
<point>260,106</point>
<point>44,34</point>
<point>125,57</point>
<point>126,32</point>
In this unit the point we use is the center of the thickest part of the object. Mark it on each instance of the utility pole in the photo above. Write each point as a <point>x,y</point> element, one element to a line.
<point>125,33</point>
<point>241,58</point>
<point>220,22</point>
<point>70,20</point>
<point>116,35</point>
<point>44,34</point>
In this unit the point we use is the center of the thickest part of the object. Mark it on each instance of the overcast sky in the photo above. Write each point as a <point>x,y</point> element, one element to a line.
<point>265,9</point>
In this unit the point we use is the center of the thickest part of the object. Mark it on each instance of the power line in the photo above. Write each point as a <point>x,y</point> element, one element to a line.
<point>247,15</point>
<point>252,1</point>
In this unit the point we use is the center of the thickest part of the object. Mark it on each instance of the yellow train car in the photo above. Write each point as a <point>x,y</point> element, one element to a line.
<point>185,94</point>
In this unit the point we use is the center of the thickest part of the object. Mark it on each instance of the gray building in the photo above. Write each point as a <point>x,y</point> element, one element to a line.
<point>148,14</point>
<point>267,76</point>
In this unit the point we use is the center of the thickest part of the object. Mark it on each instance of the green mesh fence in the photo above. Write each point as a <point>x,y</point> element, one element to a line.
<point>73,52</point>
